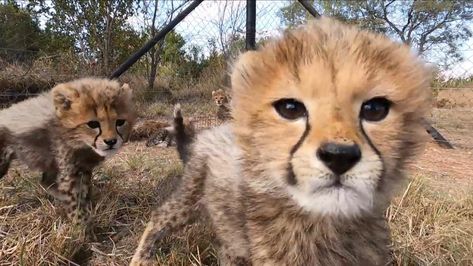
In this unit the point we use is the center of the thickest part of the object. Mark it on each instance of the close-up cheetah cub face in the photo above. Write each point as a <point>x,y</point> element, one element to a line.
<point>329,115</point>
<point>98,111</point>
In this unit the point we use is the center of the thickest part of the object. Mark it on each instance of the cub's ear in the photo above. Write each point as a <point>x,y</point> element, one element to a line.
<point>126,92</point>
<point>63,96</point>
<point>213,93</point>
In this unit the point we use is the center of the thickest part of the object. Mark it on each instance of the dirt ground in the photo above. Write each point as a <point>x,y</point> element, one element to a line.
<point>456,97</point>
<point>451,169</point>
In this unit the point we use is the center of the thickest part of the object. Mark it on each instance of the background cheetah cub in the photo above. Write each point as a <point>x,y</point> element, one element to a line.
<point>221,100</point>
<point>65,133</point>
<point>325,119</point>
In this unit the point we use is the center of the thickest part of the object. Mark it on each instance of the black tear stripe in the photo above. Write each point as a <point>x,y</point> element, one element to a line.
<point>375,150</point>
<point>291,177</point>
<point>96,137</point>
<point>118,132</point>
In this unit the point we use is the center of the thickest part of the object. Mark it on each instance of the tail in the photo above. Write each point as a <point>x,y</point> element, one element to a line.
<point>174,214</point>
<point>184,134</point>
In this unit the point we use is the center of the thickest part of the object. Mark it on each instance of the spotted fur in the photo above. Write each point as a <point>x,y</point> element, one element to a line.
<point>269,197</point>
<point>53,133</point>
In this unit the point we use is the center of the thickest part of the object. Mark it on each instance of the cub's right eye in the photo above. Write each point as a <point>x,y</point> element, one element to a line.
<point>93,124</point>
<point>120,122</point>
<point>290,109</point>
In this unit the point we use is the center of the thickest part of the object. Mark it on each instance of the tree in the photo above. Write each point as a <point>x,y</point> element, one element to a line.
<point>22,38</point>
<point>96,26</point>
<point>156,14</point>
<point>440,25</point>
<point>230,24</point>
<point>294,14</point>
<point>20,33</point>
<point>427,26</point>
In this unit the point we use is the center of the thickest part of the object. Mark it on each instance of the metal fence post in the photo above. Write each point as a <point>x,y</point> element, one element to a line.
<point>250,24</point>
<point>306,4</point>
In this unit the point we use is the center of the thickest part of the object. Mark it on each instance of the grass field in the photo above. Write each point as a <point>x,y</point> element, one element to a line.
<point>431,220</point>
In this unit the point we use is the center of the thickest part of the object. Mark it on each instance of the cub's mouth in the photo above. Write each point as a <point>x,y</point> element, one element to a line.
<point>333,184</point>
<point>106,152</point>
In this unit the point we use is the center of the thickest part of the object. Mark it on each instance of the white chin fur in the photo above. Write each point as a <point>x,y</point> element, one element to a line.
<point>106,153</point>
<point>334,201</point>
<point>354,197</point>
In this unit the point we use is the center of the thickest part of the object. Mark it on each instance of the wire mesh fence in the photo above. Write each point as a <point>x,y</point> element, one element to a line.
<point>193,59</point>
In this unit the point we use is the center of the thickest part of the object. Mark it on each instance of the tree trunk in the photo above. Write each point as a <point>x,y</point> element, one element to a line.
<point>153,69</point>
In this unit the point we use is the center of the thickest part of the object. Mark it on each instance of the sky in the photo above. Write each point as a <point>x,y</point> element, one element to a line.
<point>201,25</point>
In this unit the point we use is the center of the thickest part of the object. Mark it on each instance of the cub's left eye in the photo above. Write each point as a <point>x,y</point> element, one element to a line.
<point>120,122</point>
<point>290,108</point>
<point>375,109</point>
<point>93,124</point>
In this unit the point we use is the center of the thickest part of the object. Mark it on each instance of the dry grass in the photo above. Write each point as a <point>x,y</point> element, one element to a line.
<point>41,73</point>
<point>430,227</point>
<point>35,232</point>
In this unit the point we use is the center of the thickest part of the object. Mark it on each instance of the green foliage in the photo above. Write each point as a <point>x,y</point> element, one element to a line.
<point>179,64</point>
<point>172,54</point>
<point>294,14</point>
<point>237,45</point>
<point>22,38</point>
<point>99,28</point>
<point>428,26</point>
<point>20,34</point>
<point>172,48</point>
<point>440,25</point>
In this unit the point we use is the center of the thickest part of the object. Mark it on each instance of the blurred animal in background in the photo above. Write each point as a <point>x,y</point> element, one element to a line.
<point>155,133</point>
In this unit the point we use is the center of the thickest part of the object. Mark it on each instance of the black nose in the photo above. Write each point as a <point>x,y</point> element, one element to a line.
<point>339,157</point>
<point>110,142</point>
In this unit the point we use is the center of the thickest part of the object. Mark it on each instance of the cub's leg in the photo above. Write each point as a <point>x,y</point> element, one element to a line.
<point>226,258</point>
<point>229,225</point>
<point>48,179</point>
<point>73,190</point>
<point>74,179</point>
<point>49,183</point>
<point>179,210</point>
<point>232,250</point>
<point>6,155</point>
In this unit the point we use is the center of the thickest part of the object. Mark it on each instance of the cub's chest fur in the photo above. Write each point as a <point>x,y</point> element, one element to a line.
<point>282,233</point>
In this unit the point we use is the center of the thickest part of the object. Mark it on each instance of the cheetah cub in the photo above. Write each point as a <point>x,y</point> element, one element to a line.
<point>324,121</point>
<point>221,100</point>
<point>65,133</point>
